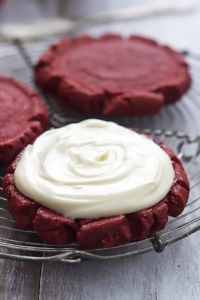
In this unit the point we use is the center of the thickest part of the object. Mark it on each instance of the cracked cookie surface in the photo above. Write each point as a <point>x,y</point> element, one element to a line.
<point>113,76</point>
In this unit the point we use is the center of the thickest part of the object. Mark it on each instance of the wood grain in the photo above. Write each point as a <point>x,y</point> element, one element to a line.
<point>173,274</point>
<point>169,275</point>
<point>19,280</point>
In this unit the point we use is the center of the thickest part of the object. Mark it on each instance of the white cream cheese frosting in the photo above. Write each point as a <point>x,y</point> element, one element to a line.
<point>94,169</point>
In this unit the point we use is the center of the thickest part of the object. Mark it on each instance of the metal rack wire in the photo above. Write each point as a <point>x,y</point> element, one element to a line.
<point>17,244</point>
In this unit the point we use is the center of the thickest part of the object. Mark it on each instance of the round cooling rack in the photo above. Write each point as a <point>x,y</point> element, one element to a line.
<point>16,60</point>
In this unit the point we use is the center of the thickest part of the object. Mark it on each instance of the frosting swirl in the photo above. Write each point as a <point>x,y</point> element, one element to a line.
<point>94,169</point>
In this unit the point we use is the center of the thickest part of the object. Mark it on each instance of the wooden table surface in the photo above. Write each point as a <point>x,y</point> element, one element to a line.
<point>173,274</point>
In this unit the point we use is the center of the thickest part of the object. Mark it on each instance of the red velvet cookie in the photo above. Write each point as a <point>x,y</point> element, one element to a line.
<point>23,117</point>
<point>113,76</point>
<point>97,233</point>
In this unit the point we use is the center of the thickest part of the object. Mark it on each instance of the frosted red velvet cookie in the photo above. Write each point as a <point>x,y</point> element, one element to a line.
<point>113,76</point>
<point>23,117</point>
<point>95,183</point>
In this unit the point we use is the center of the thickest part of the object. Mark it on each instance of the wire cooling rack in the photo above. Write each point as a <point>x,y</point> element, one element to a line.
<point>16,60</point>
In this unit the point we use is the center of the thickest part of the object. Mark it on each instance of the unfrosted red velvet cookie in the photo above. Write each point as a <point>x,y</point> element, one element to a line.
<point>113,76</point>
<point>97,233</point>
<point>23,117</point>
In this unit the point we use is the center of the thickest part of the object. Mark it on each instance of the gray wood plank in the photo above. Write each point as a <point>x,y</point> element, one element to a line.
<point>173,274</point>
<point>19,280</point>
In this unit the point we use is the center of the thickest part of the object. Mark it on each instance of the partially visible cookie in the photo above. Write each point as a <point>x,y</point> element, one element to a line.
<point>113,76</point>
<point>23,117</point>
